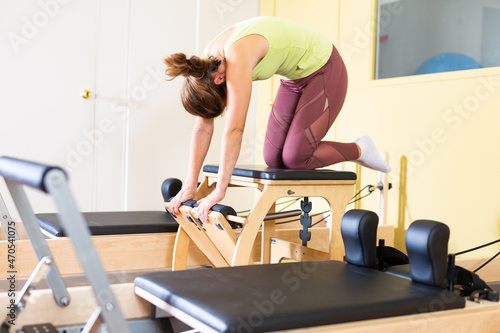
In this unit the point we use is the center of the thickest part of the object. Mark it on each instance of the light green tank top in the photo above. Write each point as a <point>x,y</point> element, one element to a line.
<point>295,51</point>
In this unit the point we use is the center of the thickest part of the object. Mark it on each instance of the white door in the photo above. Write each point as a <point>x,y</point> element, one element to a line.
<point>47,57</point>
<point>159,127</point>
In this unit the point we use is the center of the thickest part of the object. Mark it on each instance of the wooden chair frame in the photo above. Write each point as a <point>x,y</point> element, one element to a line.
<point>337,193</point>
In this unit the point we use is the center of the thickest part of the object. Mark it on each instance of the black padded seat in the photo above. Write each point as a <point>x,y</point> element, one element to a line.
<point>115,223</point>
<point>266,298</point>
<point>266,173</point>
<point>403,271</point>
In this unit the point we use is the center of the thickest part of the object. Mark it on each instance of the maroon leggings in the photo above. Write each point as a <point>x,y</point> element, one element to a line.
<point>303,112</point>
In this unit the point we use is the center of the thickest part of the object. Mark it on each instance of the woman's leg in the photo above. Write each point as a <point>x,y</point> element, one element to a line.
<point>321,101</point>
<point>303,112</point>
<point>281,117</point>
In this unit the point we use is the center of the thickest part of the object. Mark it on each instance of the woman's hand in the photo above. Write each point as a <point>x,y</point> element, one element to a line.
<point>184,195</point>
<point>205,204</point>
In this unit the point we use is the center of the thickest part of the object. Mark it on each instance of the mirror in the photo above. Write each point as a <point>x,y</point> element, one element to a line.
<point>431,36</point>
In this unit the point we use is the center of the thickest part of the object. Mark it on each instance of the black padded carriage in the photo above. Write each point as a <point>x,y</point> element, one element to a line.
<point>303,294</point>
<point>114,223</point>
<point>119,223</point>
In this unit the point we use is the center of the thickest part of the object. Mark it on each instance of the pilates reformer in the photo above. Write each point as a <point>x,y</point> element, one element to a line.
<point>329,295</point>
<point>112,233</point>
<point>52,180</point>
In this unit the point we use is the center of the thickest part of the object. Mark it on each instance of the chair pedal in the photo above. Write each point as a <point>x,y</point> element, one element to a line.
<point>40,328</point>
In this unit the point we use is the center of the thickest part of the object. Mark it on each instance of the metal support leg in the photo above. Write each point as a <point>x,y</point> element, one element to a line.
<point>20,301</point>
<point>75,227</point>
<point>7,223</point>
<point>94,322</point>
<point>54,279</point>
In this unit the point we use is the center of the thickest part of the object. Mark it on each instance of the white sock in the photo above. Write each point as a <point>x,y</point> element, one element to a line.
<point>370,158</point>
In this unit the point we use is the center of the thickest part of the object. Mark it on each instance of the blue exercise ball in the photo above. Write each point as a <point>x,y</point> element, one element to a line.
<point>447,62</point>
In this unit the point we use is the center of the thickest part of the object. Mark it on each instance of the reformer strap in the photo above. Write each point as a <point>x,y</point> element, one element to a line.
<point>470,284</point>
<point>468,280</point>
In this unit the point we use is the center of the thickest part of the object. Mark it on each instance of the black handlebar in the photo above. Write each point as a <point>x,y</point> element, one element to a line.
<point>25,172</point>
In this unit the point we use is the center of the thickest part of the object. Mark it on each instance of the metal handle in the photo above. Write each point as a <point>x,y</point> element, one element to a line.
<point>85,94</point>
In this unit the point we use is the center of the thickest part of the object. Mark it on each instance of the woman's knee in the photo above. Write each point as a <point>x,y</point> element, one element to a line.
<point>288,158</point>
<point>292,159</point>
<point>272,157</point>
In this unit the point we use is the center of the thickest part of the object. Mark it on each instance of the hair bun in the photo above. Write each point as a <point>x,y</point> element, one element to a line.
<point>178,64</point>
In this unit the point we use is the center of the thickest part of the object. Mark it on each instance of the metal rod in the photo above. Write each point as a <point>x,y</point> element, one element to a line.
<point>20,301</point>
<point>270,216</point>
<point>7,223</point>
<point>54,279</point>
<point>94,322</point>
<point>35,277</point>
<point>383,194</point>
<point>75,227</point>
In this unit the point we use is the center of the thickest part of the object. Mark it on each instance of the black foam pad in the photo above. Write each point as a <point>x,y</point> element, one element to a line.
<point>25,172</point>
<point>264,298</point>
<point>191,203</point>
<point>263,172</point>
<point>427,248</point>
<point>113,223</point>
<point>359,232</point>
<point>170,187</point>
<point>224,210</point>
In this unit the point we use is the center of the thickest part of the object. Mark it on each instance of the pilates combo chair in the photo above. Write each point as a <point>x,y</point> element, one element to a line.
<point>218,240</point>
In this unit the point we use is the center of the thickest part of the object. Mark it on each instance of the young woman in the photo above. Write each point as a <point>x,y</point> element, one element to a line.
<point>306,105</point>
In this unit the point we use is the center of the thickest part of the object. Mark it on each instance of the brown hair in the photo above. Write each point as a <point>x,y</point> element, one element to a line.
<point>200,95</point>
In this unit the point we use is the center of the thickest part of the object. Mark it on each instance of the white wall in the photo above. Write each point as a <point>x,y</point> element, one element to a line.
<point>120,144</point>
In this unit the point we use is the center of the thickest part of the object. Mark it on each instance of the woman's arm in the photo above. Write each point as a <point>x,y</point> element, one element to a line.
<point>239,65</point>
<point>200,142</point>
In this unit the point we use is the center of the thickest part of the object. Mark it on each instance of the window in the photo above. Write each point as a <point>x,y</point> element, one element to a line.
<point>431,36</point>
